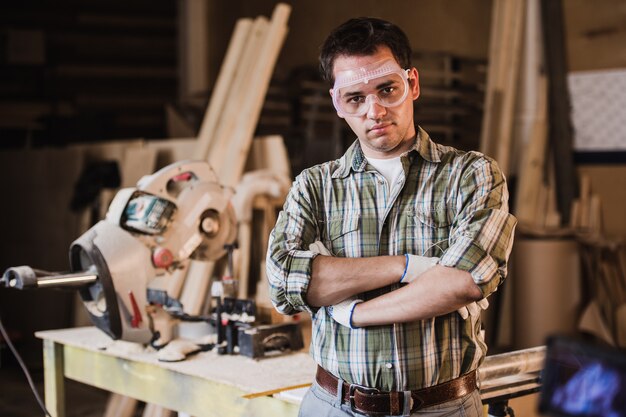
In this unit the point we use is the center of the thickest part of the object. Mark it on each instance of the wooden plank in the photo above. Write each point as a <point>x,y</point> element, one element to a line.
<point>237,95</point>
<point>585,200</point>
<point>495,50</point>
<point>53,378</point>
<point>595,215</point>
<point>505,129</point>
<point>193,37</point>
<point>196,286</point>
<point>532,167</point>
<point>223,87</point>
<point>560,128</point>
<point>574,219</point>
<point>553,217</point>
<point>153,410</point>
<point>250,107</point>
<point>120,406</point>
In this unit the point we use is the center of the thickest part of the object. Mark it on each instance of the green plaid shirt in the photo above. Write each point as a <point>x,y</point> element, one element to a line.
<point>450,204</point>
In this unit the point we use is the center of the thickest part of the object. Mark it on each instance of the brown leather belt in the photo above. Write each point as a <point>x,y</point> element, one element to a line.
<point>371,401</point>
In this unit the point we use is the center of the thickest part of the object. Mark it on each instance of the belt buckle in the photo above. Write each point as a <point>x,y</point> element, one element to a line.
<point>364,390</point>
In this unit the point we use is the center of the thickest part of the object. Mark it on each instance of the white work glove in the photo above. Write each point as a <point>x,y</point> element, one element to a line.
<point>342,312</point>
<point>318,247</point>
<point>473,309</point>
<point>415,266</point>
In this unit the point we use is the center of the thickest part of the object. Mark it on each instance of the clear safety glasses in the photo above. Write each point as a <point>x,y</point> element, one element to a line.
<point>383,82</point>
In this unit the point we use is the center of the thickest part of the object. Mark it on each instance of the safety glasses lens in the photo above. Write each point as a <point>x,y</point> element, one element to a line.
<point>387,91</point>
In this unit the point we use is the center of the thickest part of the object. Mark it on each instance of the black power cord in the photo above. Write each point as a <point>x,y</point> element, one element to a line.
<point>24,369</point>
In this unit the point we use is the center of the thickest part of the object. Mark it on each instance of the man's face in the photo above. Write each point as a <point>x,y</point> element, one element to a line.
<point>384,132</point>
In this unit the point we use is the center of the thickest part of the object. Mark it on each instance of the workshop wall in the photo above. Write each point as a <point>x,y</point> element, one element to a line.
<point>596,34</point>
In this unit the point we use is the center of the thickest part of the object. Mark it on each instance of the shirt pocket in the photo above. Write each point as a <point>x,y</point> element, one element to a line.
<point>428,231</point>
<point>342,237</point>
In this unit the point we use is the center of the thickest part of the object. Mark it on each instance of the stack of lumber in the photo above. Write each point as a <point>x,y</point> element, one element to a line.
<point>605,280</point>
<point>228,126</point>
<point>515,120</point>
<point>527,122</point>
<point>507,29</point>
<point>586,214</point>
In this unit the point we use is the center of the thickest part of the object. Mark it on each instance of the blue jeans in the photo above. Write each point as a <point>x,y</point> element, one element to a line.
<point>318,402</point>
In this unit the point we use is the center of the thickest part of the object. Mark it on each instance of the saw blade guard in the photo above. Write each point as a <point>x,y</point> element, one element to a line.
<point>177,213</point>
<point>117,301</point>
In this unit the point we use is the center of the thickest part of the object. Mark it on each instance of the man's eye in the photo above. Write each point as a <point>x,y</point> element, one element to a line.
<point>388,90</point>
<point>356,100</point>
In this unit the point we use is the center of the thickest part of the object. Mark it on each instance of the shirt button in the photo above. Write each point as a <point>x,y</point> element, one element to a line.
<point>389,365</point>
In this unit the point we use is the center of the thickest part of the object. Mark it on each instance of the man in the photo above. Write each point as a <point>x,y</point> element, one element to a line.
<point>385,244</point>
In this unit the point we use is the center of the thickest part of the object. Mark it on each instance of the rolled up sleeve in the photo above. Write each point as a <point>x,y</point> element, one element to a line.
<point>482,233</point>
<point>288,264</point>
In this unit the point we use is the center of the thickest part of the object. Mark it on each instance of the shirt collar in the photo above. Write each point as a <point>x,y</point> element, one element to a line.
<point>354,159</point>
<point>425,147</point>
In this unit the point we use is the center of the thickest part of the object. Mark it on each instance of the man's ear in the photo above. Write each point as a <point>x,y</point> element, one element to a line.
<point>414,83</point>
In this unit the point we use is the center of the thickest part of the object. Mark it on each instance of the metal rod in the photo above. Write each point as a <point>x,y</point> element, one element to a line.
<point>513,363</point>
<point>78,279</point>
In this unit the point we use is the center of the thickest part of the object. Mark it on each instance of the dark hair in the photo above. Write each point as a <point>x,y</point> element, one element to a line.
<point>362,36</point>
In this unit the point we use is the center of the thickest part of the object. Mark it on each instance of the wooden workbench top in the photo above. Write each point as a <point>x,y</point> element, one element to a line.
<point>246,374</point>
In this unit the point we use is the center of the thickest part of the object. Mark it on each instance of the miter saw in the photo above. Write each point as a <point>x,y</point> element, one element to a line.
<point>179,213</point>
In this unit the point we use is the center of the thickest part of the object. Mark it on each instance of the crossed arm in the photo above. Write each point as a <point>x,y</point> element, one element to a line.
<point>439,290</point>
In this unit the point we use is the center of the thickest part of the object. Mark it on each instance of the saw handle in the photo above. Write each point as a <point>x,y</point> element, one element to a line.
<point>157,183</point>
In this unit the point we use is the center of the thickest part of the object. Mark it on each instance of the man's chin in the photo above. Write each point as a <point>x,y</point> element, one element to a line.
<point>382,145</point>
<point>382,140</point>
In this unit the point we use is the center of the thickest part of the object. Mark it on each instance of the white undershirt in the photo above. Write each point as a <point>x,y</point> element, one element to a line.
<point>391,169</point>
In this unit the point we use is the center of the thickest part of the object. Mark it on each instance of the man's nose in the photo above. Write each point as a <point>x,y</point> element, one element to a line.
<point>375,110</point>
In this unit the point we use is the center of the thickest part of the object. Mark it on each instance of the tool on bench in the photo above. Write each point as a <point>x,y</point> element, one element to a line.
<point>262,340</point>
<point>180,212</point>
<point>230,315</point>
<point>237,331</point>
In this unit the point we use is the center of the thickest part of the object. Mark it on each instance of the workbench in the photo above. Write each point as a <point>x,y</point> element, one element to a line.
<point>203,385</point>
<point>212,385</point>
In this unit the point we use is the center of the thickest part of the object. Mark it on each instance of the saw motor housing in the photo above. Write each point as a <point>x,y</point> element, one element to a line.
<point>180,212</point>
